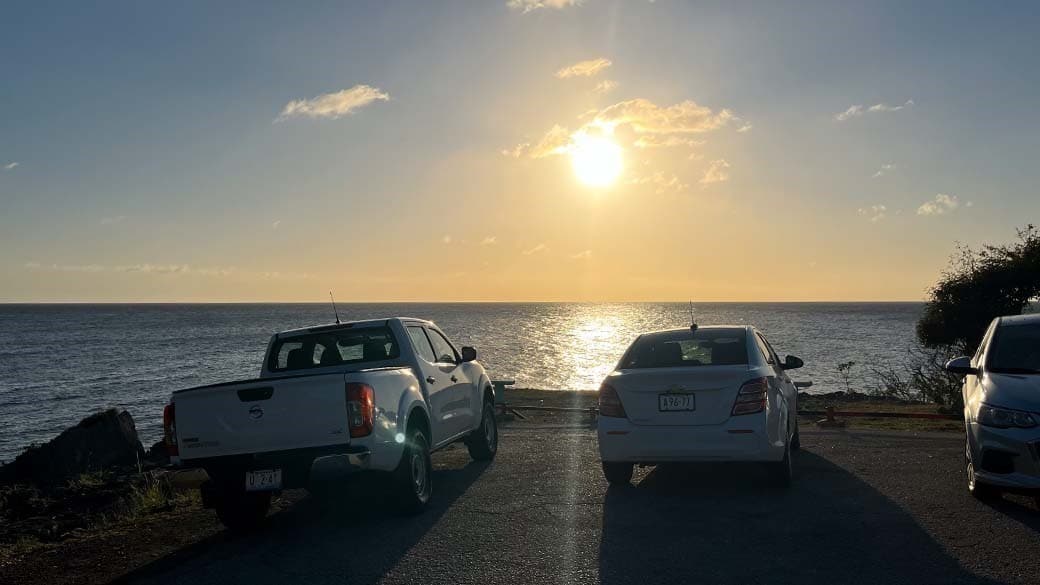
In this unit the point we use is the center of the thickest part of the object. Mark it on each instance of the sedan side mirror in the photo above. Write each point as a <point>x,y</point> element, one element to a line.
<point>792,363</point>
<point>468,354</point>
<point>962,366</point>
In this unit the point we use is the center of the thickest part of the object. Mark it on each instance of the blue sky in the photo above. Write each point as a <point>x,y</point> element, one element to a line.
<point>143,156</point>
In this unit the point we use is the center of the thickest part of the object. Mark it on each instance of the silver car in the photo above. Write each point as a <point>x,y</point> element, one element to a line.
<point>1002,408</point>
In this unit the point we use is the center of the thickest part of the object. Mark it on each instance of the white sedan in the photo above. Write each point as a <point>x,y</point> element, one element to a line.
<point>699,394</point>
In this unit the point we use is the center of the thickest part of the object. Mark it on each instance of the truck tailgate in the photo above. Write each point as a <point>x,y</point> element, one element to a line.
<point>261,415</point>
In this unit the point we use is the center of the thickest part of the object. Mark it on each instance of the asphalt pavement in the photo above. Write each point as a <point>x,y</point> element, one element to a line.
<point>866,507</point>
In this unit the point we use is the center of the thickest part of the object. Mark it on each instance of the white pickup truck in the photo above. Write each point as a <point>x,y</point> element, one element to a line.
<point>333,401</point>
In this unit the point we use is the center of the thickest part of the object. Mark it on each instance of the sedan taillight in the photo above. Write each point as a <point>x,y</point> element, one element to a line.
<point>610,402</point>
<point>752,397</point>
<point>361,407</point>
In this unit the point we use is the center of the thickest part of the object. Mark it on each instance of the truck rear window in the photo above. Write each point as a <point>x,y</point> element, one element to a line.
<point>683,349</point>
<point>333,348</point>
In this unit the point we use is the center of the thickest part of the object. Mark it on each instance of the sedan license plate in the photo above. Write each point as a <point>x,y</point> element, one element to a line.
<point>676,402</point>
<point>264,480</point>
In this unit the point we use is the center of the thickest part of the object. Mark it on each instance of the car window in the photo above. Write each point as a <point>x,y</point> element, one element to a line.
<point>421,343</point>
<point>332,348</point>
<point>703,347</point>
<point>982,344</point>
<point>763,347</point>
<point>1015,350</point>
<point>442,348</point>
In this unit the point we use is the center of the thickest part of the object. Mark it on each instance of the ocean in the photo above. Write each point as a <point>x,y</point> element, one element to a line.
<point>62,362</point>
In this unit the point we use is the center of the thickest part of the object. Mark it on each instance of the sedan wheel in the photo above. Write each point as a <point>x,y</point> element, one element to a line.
<point>976,488</point>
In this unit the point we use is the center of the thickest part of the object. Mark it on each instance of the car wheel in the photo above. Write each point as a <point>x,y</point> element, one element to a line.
<point>242,511</point>
<point>980,490</point>
<point>781,473</point>
<point>413,478</point>
<point>483,442</point>
<point>617,473</point>
<point>796,440</point>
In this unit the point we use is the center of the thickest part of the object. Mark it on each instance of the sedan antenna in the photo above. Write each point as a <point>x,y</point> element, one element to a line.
<point>334,311</point>
<point>693,324</point>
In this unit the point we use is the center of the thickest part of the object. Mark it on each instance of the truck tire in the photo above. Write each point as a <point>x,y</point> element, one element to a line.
<point>413,478</point>
<point>243,511</point>
<point>483,442</point>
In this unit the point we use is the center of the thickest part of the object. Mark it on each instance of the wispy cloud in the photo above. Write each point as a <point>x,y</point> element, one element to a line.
<point>276,223</point>
<point>584,68</point>
<point>446,239</point>
<point>642,116</point>
<point>605,86</point>
<point>717,172</point>
<point>583,255</point>
<point>874,213</point>
<point>65,267</point>
<point>170,270</point>
<point>489,241</point>
<point>942,204</point>
<point>113,220</point>
<point>661,183</point>
<point>555,141</point>
<point>656,141</point>
<point>858,110</point>
<point>883,170</point>
<point>334,105</point>
<point>526,6</point>
<point>536,250</point>
<point>11,165</point>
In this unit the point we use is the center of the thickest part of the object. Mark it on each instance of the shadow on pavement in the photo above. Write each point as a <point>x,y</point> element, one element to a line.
<point>354,537</point>
<point>1022,508</point>
<point>724,524</point>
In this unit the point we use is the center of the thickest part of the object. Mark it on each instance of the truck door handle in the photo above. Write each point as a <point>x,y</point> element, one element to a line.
<point>454,379</point>
<point>430,379</point>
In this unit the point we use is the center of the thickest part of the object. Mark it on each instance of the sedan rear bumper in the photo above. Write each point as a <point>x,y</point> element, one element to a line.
<point>738,439</point>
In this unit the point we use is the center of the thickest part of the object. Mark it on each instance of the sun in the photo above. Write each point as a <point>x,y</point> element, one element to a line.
<point>596,160</point>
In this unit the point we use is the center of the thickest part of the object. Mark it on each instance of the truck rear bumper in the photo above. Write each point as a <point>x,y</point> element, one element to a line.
<point>299,466</point>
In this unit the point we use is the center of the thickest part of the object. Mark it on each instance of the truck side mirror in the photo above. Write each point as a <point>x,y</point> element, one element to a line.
<point>468,354</point>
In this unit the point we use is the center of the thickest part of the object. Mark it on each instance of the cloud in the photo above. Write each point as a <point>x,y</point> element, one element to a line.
<point>874,213</point>
<point>661,183</point>
<point>644,116</point>
<point>536,250</point>
<point>941,205</point>
<point>65,267</point>
<point>859,110</point>
<point>716,173</point>
<point>11,165</point>
<point>584,68</point>
<point>526,6</point>
<point>605,86</point>
<point>655,141</point>
<point>155,268</point>
<point>583,255</point>
<point>884,170</point>
<point>334,105</point>
<point>555,141</point>
<point>113,220</point>
<point>745,127</point>
<point>446,239</point>
<point>489,241</point>
<point>276,223</point>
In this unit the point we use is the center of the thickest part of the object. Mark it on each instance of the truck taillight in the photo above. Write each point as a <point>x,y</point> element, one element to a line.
<point>361,409</point>
<point>169,425</point>
<point>610,402</point>
<point>752,397</point>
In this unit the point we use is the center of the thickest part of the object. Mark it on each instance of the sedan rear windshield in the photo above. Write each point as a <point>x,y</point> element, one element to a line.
<point>1015,350</point>
<point>333,348</point>
<point>683,349</point>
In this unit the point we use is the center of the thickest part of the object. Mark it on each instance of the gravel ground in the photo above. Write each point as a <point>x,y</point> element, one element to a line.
<point>867,507</point>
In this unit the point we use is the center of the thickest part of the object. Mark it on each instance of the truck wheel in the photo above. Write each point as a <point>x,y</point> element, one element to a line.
<point>413,479</point>
<point>483,442</point>
<point>617,473</point>
<point>243,511</point>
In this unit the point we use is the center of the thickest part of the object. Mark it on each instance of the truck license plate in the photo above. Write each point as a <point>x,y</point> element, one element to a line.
<point>264,480</point>
<point>672,402</point>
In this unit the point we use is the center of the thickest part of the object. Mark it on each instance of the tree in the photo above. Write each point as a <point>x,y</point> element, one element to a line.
<point>978,286</point>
